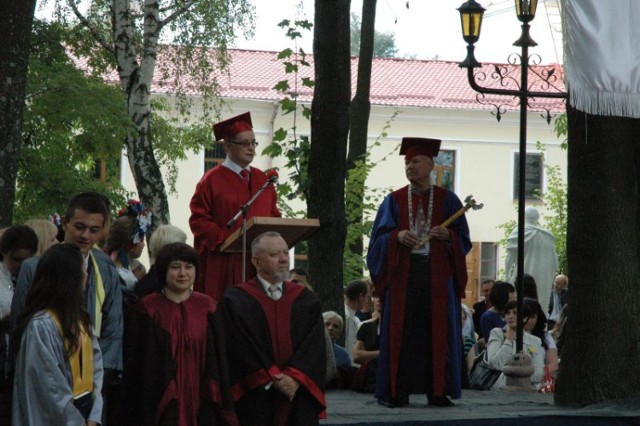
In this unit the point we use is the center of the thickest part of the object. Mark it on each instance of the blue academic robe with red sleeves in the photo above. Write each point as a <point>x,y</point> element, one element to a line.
<point>388,263</point>
<point>219,195</point>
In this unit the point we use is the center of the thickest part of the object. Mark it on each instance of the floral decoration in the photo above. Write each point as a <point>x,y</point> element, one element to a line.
<point>55,219</point>
<point>138,210</point>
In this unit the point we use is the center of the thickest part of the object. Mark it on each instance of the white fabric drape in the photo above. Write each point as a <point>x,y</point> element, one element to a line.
<point>602,56</point>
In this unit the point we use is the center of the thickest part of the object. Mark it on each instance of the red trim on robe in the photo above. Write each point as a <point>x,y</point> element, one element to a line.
<point>278,315</point>
<point>398,261</point>
<point>217,198</point>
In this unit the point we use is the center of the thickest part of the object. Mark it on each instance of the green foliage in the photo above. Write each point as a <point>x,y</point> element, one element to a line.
<point>561,127</point>
<point>555,199</point>
<point>384,44</point>
<point>286,142</point>
<point>172,142</point>
<point>358,206</point>
<point>71,122</point>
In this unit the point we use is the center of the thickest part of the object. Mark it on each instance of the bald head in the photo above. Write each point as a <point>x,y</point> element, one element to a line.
<point>561,282</point>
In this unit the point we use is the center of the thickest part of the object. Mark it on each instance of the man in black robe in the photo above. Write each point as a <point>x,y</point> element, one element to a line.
<point>275,342</point>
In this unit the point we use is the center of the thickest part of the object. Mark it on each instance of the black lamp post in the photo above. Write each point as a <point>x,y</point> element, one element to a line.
<point>471,19</point>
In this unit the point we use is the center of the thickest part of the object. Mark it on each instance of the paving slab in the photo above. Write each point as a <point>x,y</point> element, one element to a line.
<point>477,408</point>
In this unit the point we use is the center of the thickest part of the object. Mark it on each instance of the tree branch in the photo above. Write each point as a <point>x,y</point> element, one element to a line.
<point>179,11</point>
<point>94,32</point>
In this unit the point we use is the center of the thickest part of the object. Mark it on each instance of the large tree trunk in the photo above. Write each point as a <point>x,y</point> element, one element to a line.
<point>600,356</point>
<point>15,27</point>
<point>360,111</point>
<point>136,80</point>
<point>327,161</point>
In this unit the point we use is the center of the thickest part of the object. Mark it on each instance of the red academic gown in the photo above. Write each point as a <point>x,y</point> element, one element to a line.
<point>265,337</point>
<point>174,364</point>
<point>218,197</point>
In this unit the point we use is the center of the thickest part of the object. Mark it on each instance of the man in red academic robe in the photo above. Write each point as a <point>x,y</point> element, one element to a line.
<point>219,195</point>
<point>420,283</point>
<point>275,342</point>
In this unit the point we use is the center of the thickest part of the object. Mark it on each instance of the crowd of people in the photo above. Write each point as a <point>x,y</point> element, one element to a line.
<point>205,336</point>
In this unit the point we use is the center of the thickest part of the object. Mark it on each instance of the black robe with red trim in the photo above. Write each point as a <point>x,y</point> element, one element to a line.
<point>389,263</point>
<point>265,337</point>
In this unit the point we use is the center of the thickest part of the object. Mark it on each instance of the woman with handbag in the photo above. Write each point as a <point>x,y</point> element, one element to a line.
<point>58,370</point>
<point>502,345</point>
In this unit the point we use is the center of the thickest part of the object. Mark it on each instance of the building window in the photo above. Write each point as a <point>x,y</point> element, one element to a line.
<point>444,170</point>
<point>488,261</point>
<point>534,176</point>
<point>214,155</point>
<point>102,170</point>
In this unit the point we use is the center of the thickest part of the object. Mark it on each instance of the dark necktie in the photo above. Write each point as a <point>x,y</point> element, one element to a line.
<point>245,176</point>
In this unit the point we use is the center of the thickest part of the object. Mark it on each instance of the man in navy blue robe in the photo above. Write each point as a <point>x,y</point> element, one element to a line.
<point>421,283</point>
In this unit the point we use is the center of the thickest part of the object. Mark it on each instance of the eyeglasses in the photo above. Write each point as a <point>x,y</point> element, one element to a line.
<point>245,144</point>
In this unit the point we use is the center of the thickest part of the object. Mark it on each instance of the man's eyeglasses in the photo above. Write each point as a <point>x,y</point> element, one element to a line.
<point>245,144</point>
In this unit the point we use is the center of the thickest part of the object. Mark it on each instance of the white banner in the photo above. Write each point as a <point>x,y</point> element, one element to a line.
<point>602,56</point>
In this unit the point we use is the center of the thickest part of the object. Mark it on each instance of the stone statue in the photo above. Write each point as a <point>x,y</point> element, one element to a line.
<point>540,257</point>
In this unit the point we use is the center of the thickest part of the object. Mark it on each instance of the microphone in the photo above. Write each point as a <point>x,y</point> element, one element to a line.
<point>272,176</point>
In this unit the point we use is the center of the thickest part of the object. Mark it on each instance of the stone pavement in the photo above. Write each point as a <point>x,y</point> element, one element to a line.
<point>477,408</point>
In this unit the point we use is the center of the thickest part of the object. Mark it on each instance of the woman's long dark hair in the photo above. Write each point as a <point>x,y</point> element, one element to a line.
<point>541,321</point>
<point>57,286</point>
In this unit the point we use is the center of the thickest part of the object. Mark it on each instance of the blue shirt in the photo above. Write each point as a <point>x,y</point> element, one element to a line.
<point>490,320</point>
<point>342,356</point>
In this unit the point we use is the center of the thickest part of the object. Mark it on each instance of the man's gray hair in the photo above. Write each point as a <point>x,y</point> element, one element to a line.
<point>163,235</point>
<point>255,244</point>
<point>333,314</point>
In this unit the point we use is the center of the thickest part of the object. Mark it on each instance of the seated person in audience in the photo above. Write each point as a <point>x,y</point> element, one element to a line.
<point>356,296</point>
<point>365,313</point>
<point>468,343</point>
<point>530,286</point>
<point>367,350</point>
<point>537,327</point>
<point>467,323</point>
<point>558,329</point>
<point>46,231</point>
<point>163,235</point>
<point>482,306</point>
<point>300,276</point>
<point>334,324</point>
<point>502,345</point>
<point>501,293</point>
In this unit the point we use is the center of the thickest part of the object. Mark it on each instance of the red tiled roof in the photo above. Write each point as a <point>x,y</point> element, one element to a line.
<point>252,74</point>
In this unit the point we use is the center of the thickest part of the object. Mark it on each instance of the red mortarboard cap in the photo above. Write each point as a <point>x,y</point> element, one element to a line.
<point>232,126</point>
<point>419,146</point>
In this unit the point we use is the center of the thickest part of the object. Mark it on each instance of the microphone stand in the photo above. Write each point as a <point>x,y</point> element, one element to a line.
<point>243,212</point>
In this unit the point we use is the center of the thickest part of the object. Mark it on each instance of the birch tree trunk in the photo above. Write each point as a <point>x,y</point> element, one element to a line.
<point>601,349</point>
<point>327,161</point>
<point>15,27</point>
<point>135,80</point>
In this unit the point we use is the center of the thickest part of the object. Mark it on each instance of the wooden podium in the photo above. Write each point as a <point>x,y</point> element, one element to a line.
<point>292,230</point>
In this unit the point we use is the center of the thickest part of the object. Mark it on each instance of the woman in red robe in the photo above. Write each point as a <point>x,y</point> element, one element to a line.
<point>172,363</point>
